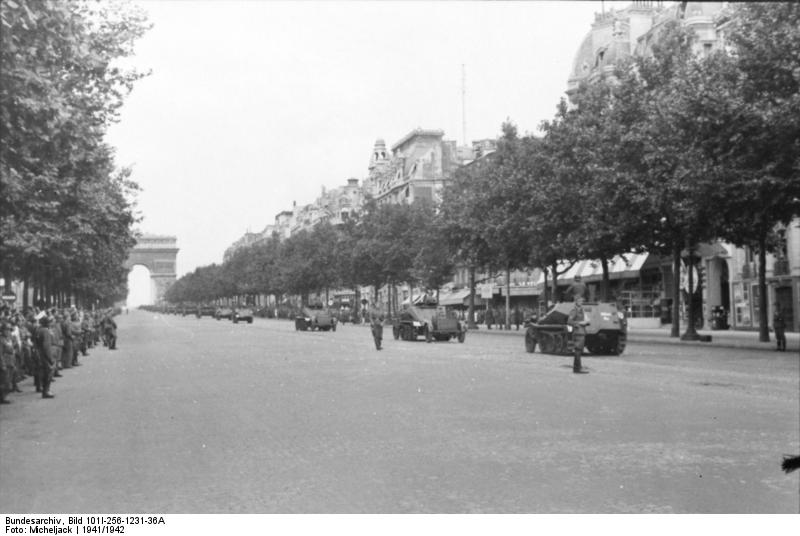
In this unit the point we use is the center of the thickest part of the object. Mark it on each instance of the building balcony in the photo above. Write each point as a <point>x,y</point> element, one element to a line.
<point>781,267</point>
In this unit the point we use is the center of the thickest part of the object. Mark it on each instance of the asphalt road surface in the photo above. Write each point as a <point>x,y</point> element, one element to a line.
<point>203,416</point>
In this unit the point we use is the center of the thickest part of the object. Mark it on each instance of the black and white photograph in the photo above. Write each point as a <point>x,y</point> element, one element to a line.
<point>538,258</point>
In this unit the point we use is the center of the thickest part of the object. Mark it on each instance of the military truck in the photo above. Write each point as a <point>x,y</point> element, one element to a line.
<point>429,322</point>
<point>606,331</point>
<point>312,318</point>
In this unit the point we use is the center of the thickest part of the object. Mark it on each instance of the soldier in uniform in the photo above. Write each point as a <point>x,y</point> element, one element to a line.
<point>7,368</point>
<point>578,323</point>
<point>577,289</point>
<point>58,342</point>
<point>779,325</point>
<point>376,327</point>
<point>76,334</point>
<point>110,332</point>
<point>45,346</point>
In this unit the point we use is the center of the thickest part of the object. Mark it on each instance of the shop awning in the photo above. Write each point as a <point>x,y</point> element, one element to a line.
<point>620,267</point>
<point>454,298</point>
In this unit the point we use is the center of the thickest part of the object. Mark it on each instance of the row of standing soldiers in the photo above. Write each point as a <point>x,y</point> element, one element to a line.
<point>41,343</point>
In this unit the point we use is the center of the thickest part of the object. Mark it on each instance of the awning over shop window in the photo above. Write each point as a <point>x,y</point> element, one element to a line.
<point>620,267</point>
<point>459,297</point>
<point>454,298</point>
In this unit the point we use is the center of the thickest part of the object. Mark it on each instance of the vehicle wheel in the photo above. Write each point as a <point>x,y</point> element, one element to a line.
<point>396,332</point>
<point>546,344</point>
<point>462,335</point>
<point>530,343</point>
<point>619,347</point>
<point>428,335</point>
<point>250,321</point>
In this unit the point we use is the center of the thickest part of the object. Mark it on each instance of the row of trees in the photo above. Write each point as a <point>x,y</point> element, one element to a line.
<point>383,244</point>
<point>673,150</point>
<point>66,210</point>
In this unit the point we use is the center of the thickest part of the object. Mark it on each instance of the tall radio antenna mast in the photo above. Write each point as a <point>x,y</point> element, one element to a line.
<point>464,103</point>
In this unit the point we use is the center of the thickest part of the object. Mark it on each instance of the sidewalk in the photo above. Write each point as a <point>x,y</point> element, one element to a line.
<point>719,339</point>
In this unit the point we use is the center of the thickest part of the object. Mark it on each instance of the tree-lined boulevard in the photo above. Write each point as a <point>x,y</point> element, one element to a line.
<point>202,416</point>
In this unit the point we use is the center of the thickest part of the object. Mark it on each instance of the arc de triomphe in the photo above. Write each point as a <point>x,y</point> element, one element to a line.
<point>158,254</point>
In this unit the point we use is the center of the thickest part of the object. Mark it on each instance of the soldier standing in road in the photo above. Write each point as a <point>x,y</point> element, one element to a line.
<point>779,325</point>
<point>45,345</point>
<point>578,323</point>
<point>110,332</point>
<point>376,327</point>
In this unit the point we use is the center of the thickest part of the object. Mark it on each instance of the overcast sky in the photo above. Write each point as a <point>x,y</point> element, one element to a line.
<point>252,105</point>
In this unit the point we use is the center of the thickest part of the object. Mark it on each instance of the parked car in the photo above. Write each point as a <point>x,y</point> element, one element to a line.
<point>244,314</point>
<point>223,312</point>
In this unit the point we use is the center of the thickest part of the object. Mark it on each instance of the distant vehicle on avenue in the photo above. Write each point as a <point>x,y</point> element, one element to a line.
<point>428,322</point>
<point>606,330</point>
<point>206,310</point>
<point>315,318</point>
<point>223,312</point>
<point>243,314</point>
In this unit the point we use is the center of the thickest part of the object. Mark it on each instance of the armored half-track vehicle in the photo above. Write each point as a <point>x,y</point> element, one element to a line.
<point>315,319</point>
<point>428,322</point>
<point>606,330</point>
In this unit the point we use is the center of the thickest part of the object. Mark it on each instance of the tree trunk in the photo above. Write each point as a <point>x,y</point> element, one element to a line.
<point>691,332</point>
<point>554,283</point>
<point>605,284</point>
<point>471,310</point>
<point>763,325</point>
<point>546,291</point>
<point>508,298</point>
<point>25,292</point>
<point>676,291</point>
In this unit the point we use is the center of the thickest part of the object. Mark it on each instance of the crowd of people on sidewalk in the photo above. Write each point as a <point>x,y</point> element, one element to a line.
<point>42,342</point>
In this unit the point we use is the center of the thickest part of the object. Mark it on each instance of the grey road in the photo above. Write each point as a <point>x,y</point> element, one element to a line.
<point>204,416</point>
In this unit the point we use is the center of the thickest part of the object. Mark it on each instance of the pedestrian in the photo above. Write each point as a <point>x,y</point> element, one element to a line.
<point>376,327</point>
<point>517,317</point>
<point>578,322</point>
<point>68,343</point>
<point>76,335</point>
<point>577,289</point>
<point>779,325</point>
<point>54,325</point>
<point>16,343</point>
<point>489,317</point>
<point>45,346</point>
<point>110,332</point>
<point>7,368</point>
